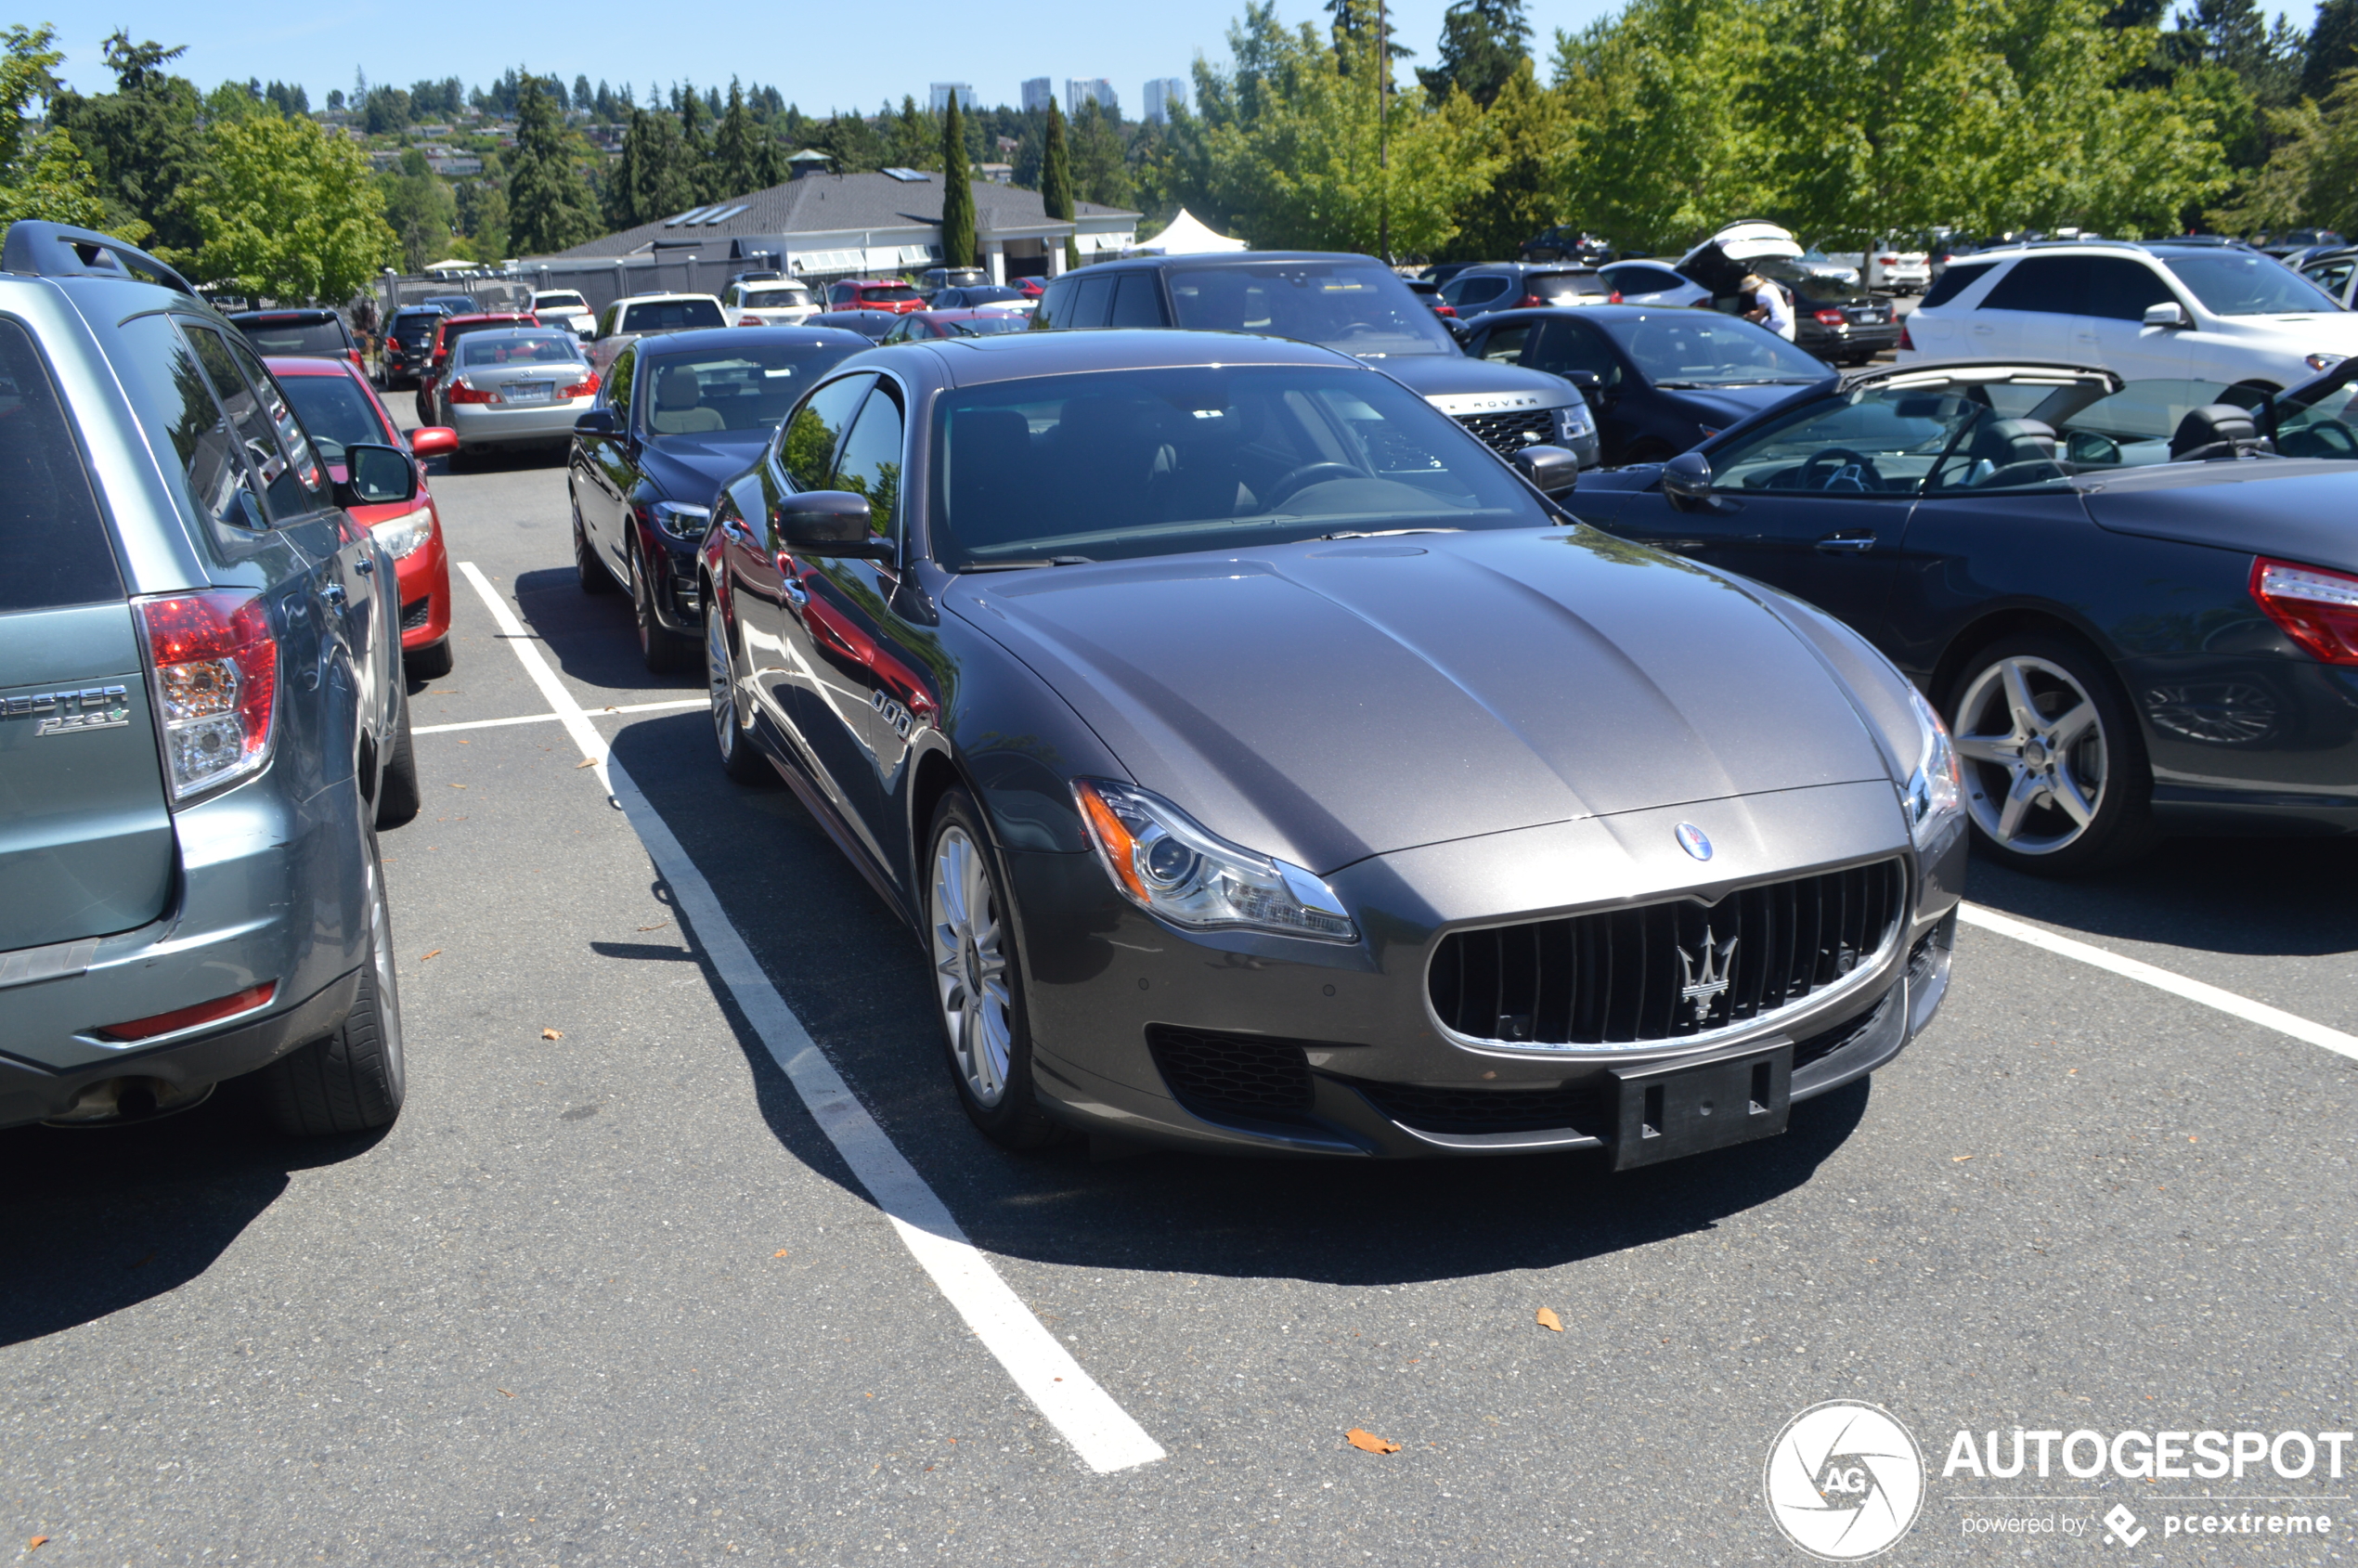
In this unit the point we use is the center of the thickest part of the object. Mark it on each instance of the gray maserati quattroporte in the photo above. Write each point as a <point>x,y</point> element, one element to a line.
<point>1268,766</point>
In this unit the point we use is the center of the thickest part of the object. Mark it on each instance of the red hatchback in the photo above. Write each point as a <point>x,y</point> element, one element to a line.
<point>338,408</point>
<point>874,293</point>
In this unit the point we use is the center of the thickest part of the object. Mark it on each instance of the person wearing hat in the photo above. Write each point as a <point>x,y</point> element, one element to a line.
<point>1769,306</point>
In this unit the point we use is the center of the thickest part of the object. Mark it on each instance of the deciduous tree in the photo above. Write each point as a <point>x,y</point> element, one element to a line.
<point>286,211</point>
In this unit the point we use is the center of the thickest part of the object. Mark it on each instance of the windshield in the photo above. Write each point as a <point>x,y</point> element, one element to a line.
<point>1356,307</point>
<point>1695,348</point>
<point>559,301</point>
<point>775,299</point>
<point>671,316</point>
<point>1153,462</point>
<point>2238,283</point>
<point>1564,288</point>
<point>520,348</point>
<point>732,389</point>
<point>334,412</point>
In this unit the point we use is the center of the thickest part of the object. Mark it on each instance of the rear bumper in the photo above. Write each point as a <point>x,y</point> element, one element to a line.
<point>481,425</point>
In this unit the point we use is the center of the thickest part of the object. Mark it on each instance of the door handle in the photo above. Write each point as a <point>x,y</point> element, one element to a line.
<point>795,594</point>
<point>1848,544</point>
<point>333,593</point>
<point>1981,331</point>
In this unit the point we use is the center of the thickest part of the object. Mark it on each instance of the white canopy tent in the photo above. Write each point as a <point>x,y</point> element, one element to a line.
<point>1186,236</point>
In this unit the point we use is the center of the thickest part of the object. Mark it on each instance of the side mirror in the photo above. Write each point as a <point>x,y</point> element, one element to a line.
<point>432,441</point>
<point>1686,482</point>
<point>1590,385</point>
<point>1551,470</point>
<point>2168,314</point>
<point>597,421</point>
<point>828,522</point>
<point>375,475</point>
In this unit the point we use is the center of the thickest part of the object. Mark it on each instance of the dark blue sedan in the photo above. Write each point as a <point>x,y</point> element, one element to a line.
<point>1660,380</point>
<point>678,414</point>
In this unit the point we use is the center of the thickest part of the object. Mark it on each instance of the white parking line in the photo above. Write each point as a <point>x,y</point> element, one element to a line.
<point>554,718</point>
<point>1101,1431</point>
<point>2227,1001</point>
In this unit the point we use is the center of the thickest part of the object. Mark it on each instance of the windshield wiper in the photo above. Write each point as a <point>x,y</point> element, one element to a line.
<point>1385,533</point>
<point>1027,565</point>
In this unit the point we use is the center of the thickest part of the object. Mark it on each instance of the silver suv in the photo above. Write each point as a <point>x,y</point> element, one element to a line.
<point>203,721</point>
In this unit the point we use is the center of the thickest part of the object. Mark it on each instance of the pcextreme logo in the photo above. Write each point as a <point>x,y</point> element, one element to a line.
<point>1844,1481</point>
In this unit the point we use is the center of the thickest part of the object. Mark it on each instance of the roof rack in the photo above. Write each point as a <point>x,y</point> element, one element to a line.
<point>39,248</point>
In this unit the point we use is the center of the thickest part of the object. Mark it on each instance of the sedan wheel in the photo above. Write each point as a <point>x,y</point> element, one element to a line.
<point>975,984</point>
<point>2054,769</point>
<point>738,758</point>
<point>588,570</point>
<point>662,649</point>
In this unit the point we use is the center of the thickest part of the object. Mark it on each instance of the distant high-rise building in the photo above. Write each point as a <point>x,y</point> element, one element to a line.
<point>1038,94</point>
<point>1161,93</point>
<point>942,92</point>
<point>1096,90</point>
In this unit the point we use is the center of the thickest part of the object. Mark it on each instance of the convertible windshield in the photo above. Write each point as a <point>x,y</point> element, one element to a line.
<point>1358,307</point>
<point>739,389</point>
<point>1697,348</point>
<point>1156,462</point>
<point>2238,283</point>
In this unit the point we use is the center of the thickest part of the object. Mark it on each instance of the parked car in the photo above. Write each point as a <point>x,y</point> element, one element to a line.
<point>1477,290</point>
<point>564,308</point>
<point>1747,241</point>
<point>319,334</point>
<point>2159,310</point>
<point>2133,619</point>
<point>2287,246</point>
<point>1354,304</point>
<point>2335,272</point>
<point>934,279</point>
<point>1889,266</point>
<point>1430,291</point>
<point>452,305</point>
<point>1660,380</point>
<point>637,316</point>
<point>870,324</point>
<point>1032,287</point>
<point>979,296</point>
<point>768,303</point>
<point>516,388</point>
<point>1562,244</point>
<point>1814,263</point>
<point>874,293</point>
<point>408,343</point>
<point>339,410</point>
<point>919,325</point>
<point>1131,704</point>
<point>203,723</point>
<point>1652,283</point>
<point>446,334</point>
<point>1833,320</point>
<point>677,414</point>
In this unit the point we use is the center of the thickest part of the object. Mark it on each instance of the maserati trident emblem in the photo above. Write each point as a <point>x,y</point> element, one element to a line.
<point>1707,977</point>
<point>1694,841</point>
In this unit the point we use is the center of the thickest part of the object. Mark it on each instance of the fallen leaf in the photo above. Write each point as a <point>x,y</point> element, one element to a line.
<point>1547,1319</point>
<point>509,1395</point>
<point>656,926</point>
<point>585,762</point>
<point>466,743</point>
<point>2192,1138</point>
<point>457,786</point>
<point>1958,1159</point>
<point>435,953</point>
<point>34,1542</point>
<point>1368,1442</point>
<point>782,1252</point>
<point>552,1034</point>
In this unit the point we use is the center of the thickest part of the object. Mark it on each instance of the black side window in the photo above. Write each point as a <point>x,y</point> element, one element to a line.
<point>247,424</point>
<point>617,394</point>
<point>1089,302</point>
<point>1646,280</point>
<point>1505,345</point>
<point>870,462</point>
<point>1138,300</point>
<point>807,445</point>
<point>2120,289</point>
<point>2053,285</point>
<point>1056,303</point>
<point>184,424</point>
<point>53,542</point>
<point>1954,279</point>
<point>302,462</point>
<point>1566,346</point>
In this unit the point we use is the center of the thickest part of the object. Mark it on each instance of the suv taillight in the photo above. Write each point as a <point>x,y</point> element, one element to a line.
<point>749,320</point>
<point>216,684</point>
<point>1529,302</point>
<point>462,393</point>
<point>584,388</point>
<point>2317,608</point>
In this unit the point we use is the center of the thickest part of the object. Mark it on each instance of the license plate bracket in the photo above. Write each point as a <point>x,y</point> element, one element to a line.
<point>1670,1111</point>
<point>530,392</point>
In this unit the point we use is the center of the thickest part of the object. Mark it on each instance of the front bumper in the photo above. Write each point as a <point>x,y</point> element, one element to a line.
<point>1107,985</point>
<point>672,566</point>
<point>424,576</point>
<point>484,425</point>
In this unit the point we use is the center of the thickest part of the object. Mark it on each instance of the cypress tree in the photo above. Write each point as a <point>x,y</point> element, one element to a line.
<point>957,193</point>
<point>1056,178</point>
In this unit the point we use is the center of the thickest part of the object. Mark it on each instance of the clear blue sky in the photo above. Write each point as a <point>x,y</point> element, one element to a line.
<point>899,49</point>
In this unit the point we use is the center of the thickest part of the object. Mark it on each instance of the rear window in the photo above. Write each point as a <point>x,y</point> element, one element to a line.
<point>1560,288</point>
<point>317,339</point>
<point>890,293</point>
<point>775,299</point>
<point>671,316</point>
<point>415,327</point>
<point>1356,307</point>
<point>53,542</point>
<point>560,301</point>
<point>1954,280</point>
<point>535,348</point>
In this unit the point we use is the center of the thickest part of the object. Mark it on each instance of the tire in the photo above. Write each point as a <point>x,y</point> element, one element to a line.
<point>740,759</point>
<point>430,663</point>
<point>986,1032</point>
<point>2056,779</point>
<point>663,650</point>
<point>352,1080</point>
<point>398,795</point>
<point>588,570</point>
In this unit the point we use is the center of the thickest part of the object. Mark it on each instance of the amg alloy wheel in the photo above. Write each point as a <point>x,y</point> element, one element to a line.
<point>971,941</point>
<point>2054,769</point>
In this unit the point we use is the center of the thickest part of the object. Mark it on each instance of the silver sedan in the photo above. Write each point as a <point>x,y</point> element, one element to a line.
<point>517,388</point>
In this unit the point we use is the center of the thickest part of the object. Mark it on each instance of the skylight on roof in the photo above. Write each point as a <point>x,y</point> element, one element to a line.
<point>691,215</point>
<point>906,174</point>
<point>722,214</point>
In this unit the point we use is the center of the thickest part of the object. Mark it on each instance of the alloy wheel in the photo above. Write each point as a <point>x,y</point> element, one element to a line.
<point>970,965</point>
<point>2036,763</point>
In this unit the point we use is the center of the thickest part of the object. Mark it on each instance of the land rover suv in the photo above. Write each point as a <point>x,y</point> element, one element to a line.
<point>202,722</point>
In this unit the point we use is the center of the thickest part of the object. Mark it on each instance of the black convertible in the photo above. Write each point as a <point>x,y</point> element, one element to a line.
<point>2136,603</point>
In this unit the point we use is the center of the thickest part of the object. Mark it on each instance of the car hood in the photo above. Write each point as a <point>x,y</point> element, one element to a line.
<point>1720,407</point>
<point>2297,508</point>
<point>691,468</point>
<point>1457,385</point>
<point>1325,701</point>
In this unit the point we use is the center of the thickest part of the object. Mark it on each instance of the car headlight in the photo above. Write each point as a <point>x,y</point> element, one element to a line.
<point>2325,362</point>
<point>1936,790</point>
<point>1574,420</point>
<point>1169,866</point>
<point>681,522</point>
<point>404,535</point>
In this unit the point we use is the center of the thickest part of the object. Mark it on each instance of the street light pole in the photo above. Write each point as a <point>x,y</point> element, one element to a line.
<point>1383,135</point>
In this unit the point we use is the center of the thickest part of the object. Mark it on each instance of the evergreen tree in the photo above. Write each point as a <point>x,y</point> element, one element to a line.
<point>696,146</point>
<point>1056,178</point>
<point>1354,28</point>
<point>419,207</point>
<point>549,204</point>
<point>584,99</point>
<point>2333,48</point>
<point>957,191</point>
<point>1100,165</point>
<point>648,181</point>
<point>1482,43</point>
<point>144,140</point>
<point>742,155</point>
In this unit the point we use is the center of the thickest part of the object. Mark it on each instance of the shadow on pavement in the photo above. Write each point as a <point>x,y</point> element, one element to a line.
<point>591,636</point>
<point>103,1218</point>
<point>855,977</point>
<point>2276,897</point>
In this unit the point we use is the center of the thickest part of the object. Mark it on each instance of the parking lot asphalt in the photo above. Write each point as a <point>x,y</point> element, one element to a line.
<point>609,1293</point>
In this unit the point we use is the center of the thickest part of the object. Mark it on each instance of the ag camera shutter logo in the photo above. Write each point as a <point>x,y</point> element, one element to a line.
<point>1844,1481</point>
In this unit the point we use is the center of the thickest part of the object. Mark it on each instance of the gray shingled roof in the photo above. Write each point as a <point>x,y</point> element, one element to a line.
<point>833,204</point>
